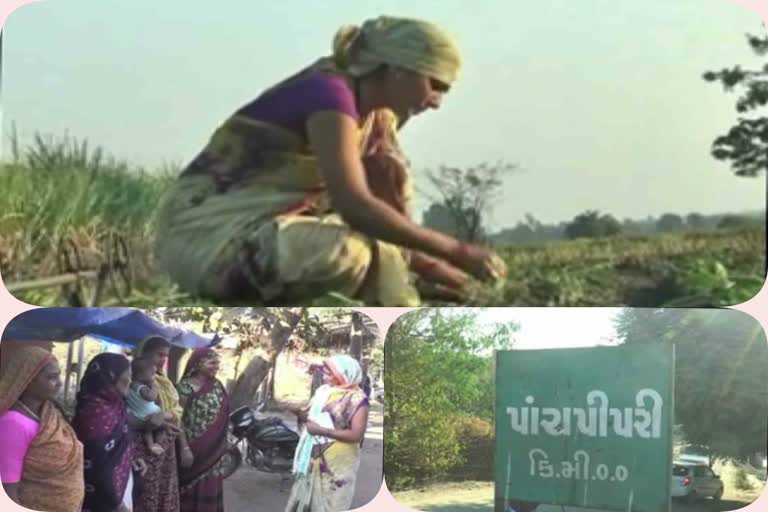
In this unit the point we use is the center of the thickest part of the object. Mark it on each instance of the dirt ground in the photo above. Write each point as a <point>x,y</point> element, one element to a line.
<point>249,489</point>
<point>478,497</point>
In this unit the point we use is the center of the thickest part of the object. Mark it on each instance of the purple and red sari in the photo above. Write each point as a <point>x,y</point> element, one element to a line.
<point>205,422</point>
<point>101,424</point>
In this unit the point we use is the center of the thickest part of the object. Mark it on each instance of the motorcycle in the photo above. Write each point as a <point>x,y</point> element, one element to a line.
<point>267,443</point>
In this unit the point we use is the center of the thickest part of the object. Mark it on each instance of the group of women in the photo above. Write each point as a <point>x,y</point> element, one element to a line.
<point>97,463</point>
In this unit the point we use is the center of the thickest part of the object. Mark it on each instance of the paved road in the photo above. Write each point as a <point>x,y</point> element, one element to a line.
<point>487,506</point>
<point>698,506</point>
<point>479,498</point>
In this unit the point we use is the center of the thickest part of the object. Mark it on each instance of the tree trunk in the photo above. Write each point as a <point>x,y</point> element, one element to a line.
<point>246,386</point>
<point>240,351</point>
<point>356,336</point>
<point>271,387</point>
<point>280,334</point>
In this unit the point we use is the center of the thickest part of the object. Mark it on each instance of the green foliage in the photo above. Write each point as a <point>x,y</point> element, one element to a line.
<point>591,224</point>
<point>644,272</point>
<point>439,366</point>
<point>51,154</point>
<point>670,222</point>
<point>65,189</point>
<point>721,395</point>
<point>736,222</point>
<point>531,230</point>
<point>421,450</point>
<point>439,217</point>
<point>476,439</point>
<point>707,282</point>
<point>746,143</point>
<point>741,480</point>
<point>40,206</point>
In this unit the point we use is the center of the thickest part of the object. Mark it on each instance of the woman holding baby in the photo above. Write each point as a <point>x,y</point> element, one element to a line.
<point>125,471</point>
<point>328,455</point>
<point>142,452</point>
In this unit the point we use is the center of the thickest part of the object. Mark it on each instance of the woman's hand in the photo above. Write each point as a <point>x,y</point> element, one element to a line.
<point>315,429</point>
<point>172,428</point>
<point>335,139</point>
<point>187,458</point>
<point>156,421</point>
<point>140,466</point>
<point>439,276</point>
<point>481,262</point>
<point>123,508</point>
<point>446,274</point>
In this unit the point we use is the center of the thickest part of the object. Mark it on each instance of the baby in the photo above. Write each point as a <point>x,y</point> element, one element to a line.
<point>142,399</point>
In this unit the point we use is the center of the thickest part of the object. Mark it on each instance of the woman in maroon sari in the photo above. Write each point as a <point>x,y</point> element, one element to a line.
<point>205,422</point>
<point>101,424</point>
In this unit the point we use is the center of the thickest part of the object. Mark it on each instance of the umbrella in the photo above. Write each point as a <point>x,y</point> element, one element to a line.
<point>121,326</point>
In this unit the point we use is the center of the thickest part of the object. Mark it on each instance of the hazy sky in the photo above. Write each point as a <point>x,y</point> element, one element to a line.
<point>600,102</point>
<point>557,327</point>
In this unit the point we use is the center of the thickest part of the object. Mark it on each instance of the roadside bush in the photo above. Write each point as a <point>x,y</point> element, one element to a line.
<point>420,451</point>
<point>476,438</point>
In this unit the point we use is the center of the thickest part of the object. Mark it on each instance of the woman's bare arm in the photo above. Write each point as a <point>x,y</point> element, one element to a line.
<point>354,434</point>
<point>334,139</point>
<point>438,271</point>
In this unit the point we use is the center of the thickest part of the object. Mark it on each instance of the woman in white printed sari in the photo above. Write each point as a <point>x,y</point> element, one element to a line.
<point>328,456</point>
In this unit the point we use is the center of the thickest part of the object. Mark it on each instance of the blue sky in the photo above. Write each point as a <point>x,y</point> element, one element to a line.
<point>600,103</point>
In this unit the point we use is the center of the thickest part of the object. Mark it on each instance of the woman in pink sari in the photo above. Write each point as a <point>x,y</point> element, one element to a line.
<point>205,422</point>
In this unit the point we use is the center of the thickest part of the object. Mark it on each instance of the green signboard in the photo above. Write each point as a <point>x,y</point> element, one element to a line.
<point>586,427</point>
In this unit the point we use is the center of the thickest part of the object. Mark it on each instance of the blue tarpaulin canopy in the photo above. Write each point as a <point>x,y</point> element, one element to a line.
<point>121,326</point>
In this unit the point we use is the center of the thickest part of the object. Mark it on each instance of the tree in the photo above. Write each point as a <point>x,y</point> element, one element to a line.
<point>721,395</point>
<point>591,224</point>
<point>439,217</point>
<point>746,144</point>
<point>735,222</point>
<point>695,221</point>
<point>670,222</point>
<point>273,330</point>
<point>465,196</point>
<point>439,366</point>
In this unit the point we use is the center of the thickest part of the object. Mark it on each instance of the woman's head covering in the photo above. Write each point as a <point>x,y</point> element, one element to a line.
<point>405,42</point>
<point>101,424</point>
<point>101,375</point>
<point>152,344</point>
<point>198,357</point>
<point>18,368</point>
<point>347,371</point>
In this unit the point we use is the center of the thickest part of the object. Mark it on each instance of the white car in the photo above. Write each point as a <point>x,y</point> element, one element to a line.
<point>692,480</point>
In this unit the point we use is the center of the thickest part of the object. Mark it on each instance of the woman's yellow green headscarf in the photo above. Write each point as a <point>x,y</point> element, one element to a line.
<point>405,42</point>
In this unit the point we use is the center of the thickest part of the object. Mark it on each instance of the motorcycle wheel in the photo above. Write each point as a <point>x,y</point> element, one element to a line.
<point>231,461</point>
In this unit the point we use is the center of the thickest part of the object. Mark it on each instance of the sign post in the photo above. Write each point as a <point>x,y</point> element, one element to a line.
<point>586,427</point>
